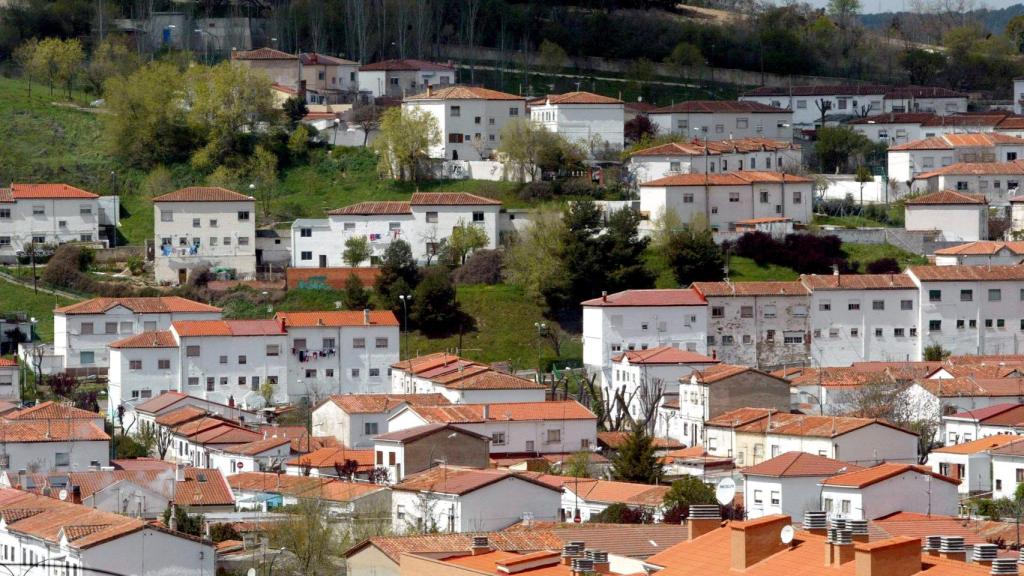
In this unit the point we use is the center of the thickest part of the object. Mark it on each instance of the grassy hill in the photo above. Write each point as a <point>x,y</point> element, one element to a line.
<point>39,306</point>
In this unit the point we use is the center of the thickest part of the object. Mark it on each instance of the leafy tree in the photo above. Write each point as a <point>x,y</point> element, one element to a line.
<point>434,306</point>
<point>129,447</point>
<point>526,148</point>
<point>188,523</point>
<point>261,171</point>
<point>694,256</point>
<point>404,142</point>
<point>309,536</point>
<point>267,391</point>
<point>355,296</point>
<point>577,466</point>
<point>1015,31</point>
<point>24,56</point>
<point>639,128</point>
<point>146,124</point>
<point>624,250</point>
<point>298,143</point>
<point>619,513</point>
<point>295,109</point>
<point>63,385</point>
<point>398,274</point>
<point>58,60</point>
<point>551,57</point>
<point>923,66</point>
<point>935,353</point>
<point>464,240</point>
<point>482,267</point>
<point>110,58</point>
<point>636,460</point>
<point>157,182</point>
<point>533,262</point>
<point>836,144</point>
<point>357,251</point>
<point>222,531</point>
<point>686,491</point>
<point>685,55</point>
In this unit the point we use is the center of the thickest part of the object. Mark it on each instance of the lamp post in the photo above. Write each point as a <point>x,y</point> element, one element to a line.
<point>542,329</point>
<point>206,44</point>
<point>405,298</point>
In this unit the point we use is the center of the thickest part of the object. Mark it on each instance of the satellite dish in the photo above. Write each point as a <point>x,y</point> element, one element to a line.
<point>251,572</point>
<point>787,534</point>
<point>726,491</point>
<point>63,495</point>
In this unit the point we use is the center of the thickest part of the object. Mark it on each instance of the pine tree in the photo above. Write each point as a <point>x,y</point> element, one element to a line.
<point>355,296</point>
<point>636,460</point>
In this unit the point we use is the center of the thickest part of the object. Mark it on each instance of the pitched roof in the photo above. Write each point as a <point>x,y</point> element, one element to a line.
<point>404,64</point>
<point>335,318</point>
<point>958,140</point>
<point>980,445</point>
<point>664,355</point>
<point>417,432</point>
<point>328,457</point>
<point>451,199</point>
<point>577,98</point>
<point>976,169</point>
<point>200,487</point>
<point>757,421</point>
<point>616,439</point>
<point>419,364</point>
<point>514,539</point>
<point>51,431</point>
<point>194,328</point>
<point>879,473</point>
<point>917,525</point>
<point>261,54</point>
<point>5,362</point>
<point>165,400</point>
<point>203,194</point>
<point>982,248</point>
<point>302,486</point>
<point>257,447</point>
<point>314,58</point>
<point>513,411</point>
<point>744,178</point>
<point>947,197</point>
<point>654,297</point>
<point>158,339</point>
<point>41,191</point>
<point>180,416</point>
<point>458,481</point>
<point>51,410</point>
<point>740,416</point>
<point>720,372</point>
<point>967,273</point>
<point>697,147</point>
<point>718,106</point>
<point>794,288</point>
<point>374,208</point>
<point>891,92</point>
<point>799,464</point>
<point>895,118</point>
<point>610,491</point>
<point>151,305</point>
<point>464,93</point>
<point>380,403</point>
<point>969,386</point>
<point>858,281</point>
<point>457,373</point>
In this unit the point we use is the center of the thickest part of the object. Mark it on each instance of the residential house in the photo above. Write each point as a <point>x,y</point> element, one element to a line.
<point>280,67</point>
<point>328,79</point>
<point>147,493</point>
<point>788,484</point>
<point>727,198</point>
<point>695,461</point>
<point>585,498</point>
<point>54,411</point>
<point>902,128</point>
<point>273,249</point>
<point>327,461</point>
<point>454,499</point>
<point>52,445</point>
<point>345,500</point>
<point>76,539</point>
<point>760,324</point>
<point>203,228</point>
<point>646,377</point>
<point>640,319</point>
<point>412,450</point>
<point>889,487</point>
<point>83,331</point>
<point>194,441</point>
<point>397,78</point>
<point>149,411</point>
<point>45,214</point>
<point>970,462</point>
<point>268,453</point>
<point>1007,469</point>
<point>591,120</point>
<point>10,380</point>
<point>919,156</point>
<point>997,420</point>
<point>723,120</point>
<point>341,351</point>
<point>981,253</point>
<point>424,222</point>
<point>997,181</point>
<point>355,419</point>
<point>522,428</point>
<point>461,381</point>
<point>470,119</point>
<point>958,216</point>
<point>698,156</point>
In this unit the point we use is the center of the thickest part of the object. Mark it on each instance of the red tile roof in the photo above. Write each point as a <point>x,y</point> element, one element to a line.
<point>967,273</point>
<point>464,93</point>
<point>858,281</point>
<point>514,539</point>
<point>201,486</point>
<point>720,372</point>
<point>151,305</point>
<point>980,445</point>
<point>664,355</point>
<point>1015,167</point>
<point>451,199</point>
<point>799,464</point>
<point>969,386</point>
<point>951,141</point>
<point>417,432</point>
<point>314,59</point>
<point>51,410</point>
<point>375,208</point>
<point>744,178</point>
<point>577,98</point>
<point>180,416</point>
<point>614,440</point>
<point>406,64</point>
<point>158,339</point>
<point>697,147</point>
<point>261,54</point>
<point>196,328</point>
<point>982,414</point>
<point>456,480</point>
<point>336,318</point>
<point>380,403</point>
<point>302,486</point>
<point>7,362</point>
<point>757,421</point>
<point>204,194</point>
<point>51,431</point>
<point>330,456</point>
<point>794,288</point>
<point>982,248</point>
<point>718,107</point>
<point>947,197</point>
<point>609,491</point>
<point>515,411</point>
<point>257,447</point>
<point>875,474</point>
<point>655,297</point>
<point>40,191</point>
<point>48,519</point>
<point>142,464</point>
<point>917,525</point>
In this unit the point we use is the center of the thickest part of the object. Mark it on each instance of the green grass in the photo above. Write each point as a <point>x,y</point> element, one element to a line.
<point>746,270</point>
<point>848,221</point>
<point>865,254</point>
<point>39,306</point>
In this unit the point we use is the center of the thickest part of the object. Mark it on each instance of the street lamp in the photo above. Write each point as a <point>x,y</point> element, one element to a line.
<point>405,298</point>
<point>542,329</point>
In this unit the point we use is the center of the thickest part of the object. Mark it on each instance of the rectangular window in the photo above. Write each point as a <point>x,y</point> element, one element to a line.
<point>243,215</point>
<point>553,436</point>
<point>935,325</point>
<point>734,196</point>
<point>196,222</point>
<point>878,332</point>
<point>966,295</point>
<point>163,364</point>
<point>381,343</point>
<point>110,327</point>
<point>769,311</point>
<point>936,295</point>
<point>242,359</point>
<point>854,332</point>
<point>906,304</point>
<point>824,305</point>
<point>764,197</point>
<point>86,328</point>
<point>995,295</point>
<point>135,364</point>
<point>456,111</point>
<point>306,232</point>
<point>374,372</point>
<point>798,197</point>
<point>355,372</point>
<point>243,240</point>
<point>213,222</point>
<point>431,217</point>
<point>224,359</point>
<point>241,380</point>
<point>370,428</point>
<point>897,332</point>
<point>687,198</point>
<point>62,459</point>
<point>273,349</point>
<point>746,311</point>
<point>359,342</point>
<point>513,111</point>
<point>478,216</point>
<point>717,311</point>
<point>853,305</point>
<point>192,351</point>
<point>328,343</point>
<point>878,304</point>
<point>306,255</point>
<point>758,496</point>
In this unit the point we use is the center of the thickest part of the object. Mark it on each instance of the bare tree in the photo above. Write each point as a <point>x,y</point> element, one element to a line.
<point>367,118</point>
<point>897,403</point>
<point>823,106</point>
<point>163,441</point>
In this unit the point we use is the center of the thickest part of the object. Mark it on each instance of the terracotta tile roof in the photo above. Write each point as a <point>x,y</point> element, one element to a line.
<point>335,318</point>
<point>451,199</point>
<point>51,410</point>
<point>610,491</point>
<point>996,410</point>
<point>720,372</point>
<point>404,64</point>
<point>464,93</point>
<point>283,88</point>
<point>718,107</point>
<point>180,416</point>
<point>766,220</point>
<point>488,379</point>
<point>813,426</point>
<point>831,377</point>
<point>951,141</point>
<point>1015,167</point>
<point>261,54</point>
<point>967,273</point>
<point>328,457</point>
<point>40,191</point>
<point>751,288</point>
<point>380,403</point>
<point>741,416</point>
<point>933,143</point>
<point>655,297</point>
<point>375,208</point>
<point>799,464</point>
<point>697,147</point>
<point>457,373</point>
<point>517,539</point>
<point>578,98</point>
<point>302,486</point>
<point>153,305</point>
<point>664,355</point>
<point>982,248</point>
<point>138,464</point>
<point>158,339</point>
<point>195,328</point>
<point>744,178</point>
<point>458,481</point>
<point>161,402</point>
<point>614,440</point>
<point>213,430</point>
<point>421,364</point>
<point>417,432</point>
<point>1011,449</point>
<point>257,447</point>
<point>969,386</point>
<point>922,525</point>
<point>201,486</point>
<point>980,445</point>
<point>314,59</point>
<point>858,281</point>
<point>947,197</point>
<point>51,431</point>
<point>515,411</point>
<point>876,474</point>
<point>334,278</point>
<point>6,362</point>
<point>204,194</point>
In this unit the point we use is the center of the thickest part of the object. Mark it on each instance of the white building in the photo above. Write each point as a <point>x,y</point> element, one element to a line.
<point>1018,95</point>
<point>149,411</point>
<point>76,539</point>
<point>699,156</point>
<point>261,491</point>
<point>397,78</point>
<point>887,488</point>
<point>788,484</point>
<point>806,102</point>
<point>355,419</point>
<point>760,324</point>
<point>1002,419</point>
<point>342,351</point>
<point>908,160</point>
<point>970,462</point>
<point>195,441</point>
<point>48,445</point>
<point>461,381</point>
<point>46,214</point>
<point>638,320</point>
<point>863,317</point>
<point>723,120</point>
<point>413,450</point>
<point>981,253</point>
<point>470,119</point>
<point>449,499</point>
<point>958,216</point>
<point>203,228</point>
<point>83,331</point>
<point>998,181</point>
<point>10,380</point>
<point>143,367</point>
<point>584,498</point>
<point>655,369</point>
<point>588,119</point>
<point>269,453</point>
<point>1007,469</point>
<point>424,222</point>
<point>724,199</point>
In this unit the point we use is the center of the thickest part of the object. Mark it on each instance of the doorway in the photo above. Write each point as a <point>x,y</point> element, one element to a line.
<point>182,275</point>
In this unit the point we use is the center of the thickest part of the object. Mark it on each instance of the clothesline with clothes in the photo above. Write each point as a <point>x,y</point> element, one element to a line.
<point>311,355</point>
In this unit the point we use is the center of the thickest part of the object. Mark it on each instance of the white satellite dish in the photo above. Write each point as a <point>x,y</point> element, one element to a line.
<point>726,491</point>
<point>63,495</point>
<point>787,534</point>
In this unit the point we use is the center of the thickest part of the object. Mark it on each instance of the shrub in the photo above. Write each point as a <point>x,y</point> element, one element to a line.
<point>619,513</point>
<point>537,191</point>
<point>482,267</point>
<point>884,266</point>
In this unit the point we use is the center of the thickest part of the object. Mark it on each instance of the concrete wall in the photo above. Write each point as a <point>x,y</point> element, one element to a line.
<point>463,450</point>
<point>779,317</point>
<point>964,223</point>
<point>795,494</point>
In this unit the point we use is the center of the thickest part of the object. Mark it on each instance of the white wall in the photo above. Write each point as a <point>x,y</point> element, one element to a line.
<point>58,221</point>
<point>795,495</point>
<point>726,125</point>
<point>841,336</point>
<point>647,168</point>
<point>125,385</point>
<point>1004,475</point>
<point>196,371</point>
<point>349,369</point>
<point>759,339</point>
<point>41,456</point>
<point>478,122</point>
<point>725,205</point>
<point>225,240</point>
<point>151,552</point>
<point>911,491</point>
<point>965,223</point>
<point>952,309</point>
<point>582,123</point>
<point>493,507</point>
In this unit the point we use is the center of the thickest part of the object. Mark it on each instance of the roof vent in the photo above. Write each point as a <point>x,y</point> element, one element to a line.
<point>480,542</point>
<point>570,551</point>
<point>813,520</point>
<point>705,512</point>
<point>582,565</point>
<point>985,553</point>
<point>842,537</point>
<point>1004,566</point>
<point>857,527</point>
<point>952,544</point>
<point>839,523</point>
<point>932,542</point>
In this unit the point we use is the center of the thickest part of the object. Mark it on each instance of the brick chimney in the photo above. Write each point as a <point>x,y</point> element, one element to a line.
<point>480,546</point>
<point>600,559</point>
<point>953,548</point>
<point>755,540</point>
<point>839,547</point>
<point>859,529</point>
<point>900,556</point>
<point>704,518</point>
<point>569,552</point>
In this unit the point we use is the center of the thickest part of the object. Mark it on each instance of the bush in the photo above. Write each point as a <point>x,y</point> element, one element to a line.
<point>482,267</point>
<point>804,253</point>
<point>884,266</point>
<point>619,513</point>
<point>67,267</point>
<point>537,191</point>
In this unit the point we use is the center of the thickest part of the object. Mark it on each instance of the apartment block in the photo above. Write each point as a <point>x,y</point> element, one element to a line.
<point>723,120</point>
<point>713,156</point>
<point>46,214</point>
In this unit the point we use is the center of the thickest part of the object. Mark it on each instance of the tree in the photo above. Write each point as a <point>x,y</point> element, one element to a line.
<point>639,128</point>
<point>24,56</point>
<point>357,251</point>
<point>222,531</point>
<point>434,306</point>
<point>63,385</point>
<point>884,266</point>
<point>355,296</point>
<point>110,58</point>
<point>836,144</point>
<point>693,256</point>
<point>922,66</point>
<point>261,171</point>
<point>526,148</point>
<point>685,55</point>
<point>1015,32</point>
<point>482,267</point>
<point>935,353</point>
<point>577,466</point>
<point>636,460</point>
<point>157,182</point>
<point>619,513</point>
<point>552,58</point>
<point>686,491</point>
<point>533,262</point>
<point>367,118</point>
<point>309,536</point>
<point>267,391</point>
<point>464,240</point>
<point>146,124</point>
<point>406,136</point>
<point>183,521</point>
<point>398,274</point>
<point>295,110</point>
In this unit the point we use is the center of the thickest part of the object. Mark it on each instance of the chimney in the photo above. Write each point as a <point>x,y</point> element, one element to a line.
<point>1004,567</point>
<point>569,552</point>
<point>840,547</point>
<point>179,473</point>
<point>900,556</point>
<point>816,522</point>
<point>480,546</point>
<point>984,554</point>
<point>952,548</point>
<point>366,316</point>
<point>486,409</point>
<point>600,559</point>
<point>859,529</point>
<point>582,566</point>
<point>931,545</point>
<point>284,328</point>
<point>704,518</point>
<point>755,540</point>
<point>604,295</point>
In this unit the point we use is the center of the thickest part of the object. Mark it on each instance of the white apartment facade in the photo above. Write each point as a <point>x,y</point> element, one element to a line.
<point>83,331</point>
<point>970,462</point>
<point>908,160</point>
<point>53,445</point>
<point>700,156</point>
<point>890,487</point>
<point>958,216</point>
<point>398,78</point>
<point>10,380</point>
<point>461,381</point>
<point>806,102</point>
<point>426,220</point>
<point>46,214</point>
<point>788,484</point>
<point>588,119</point>
<point>654,369</point>
<point>998,181</point>
<point>724,120</point>
<point>638,320</point>
<point>355,419</point>
<point>469,119</point>
<point>985,252</point>
<point>725,199</point>
<point>203,227</point>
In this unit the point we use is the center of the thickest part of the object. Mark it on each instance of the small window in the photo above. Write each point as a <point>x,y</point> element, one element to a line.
<point>936,295</point>
<point>135,364</point>
<point>824,306</point>
<point>86,328</point>
<point>192,351</point>
<point>966,295</point>
<point>878,304</point>
<point>224,359</point>
<point>242,359</point>
<point>355,372</point>
<point>513,111</point>
<point>853,305</point>
<point>62,459</point>
<point>456,111</point>
<point>935,325</point>
<point>166,216</point>
<point>381,343</point>
<point>374,372</point>
<point>306,255</point>
<point>163,364</point>
<point>554,436</point>
<point>243,240</point>
<point>197,222</point>
<point>995,295</point>
<point>359,342</point>
<point>746,312</point>
<point>897,332</point>
<point>328,343</point>
<point>478,216</point>
<point>243,215</point>
<point>878,332</point>
<point>717,311</point>
<point>213,222</point>
<point>306,232</point>
<point>273,350</point>
<point>906,304</point>
<point>241,380</point>
<point>370,428</point>
<point>431,217</point>
<point>1000,323</point>
<point>310,372</point>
